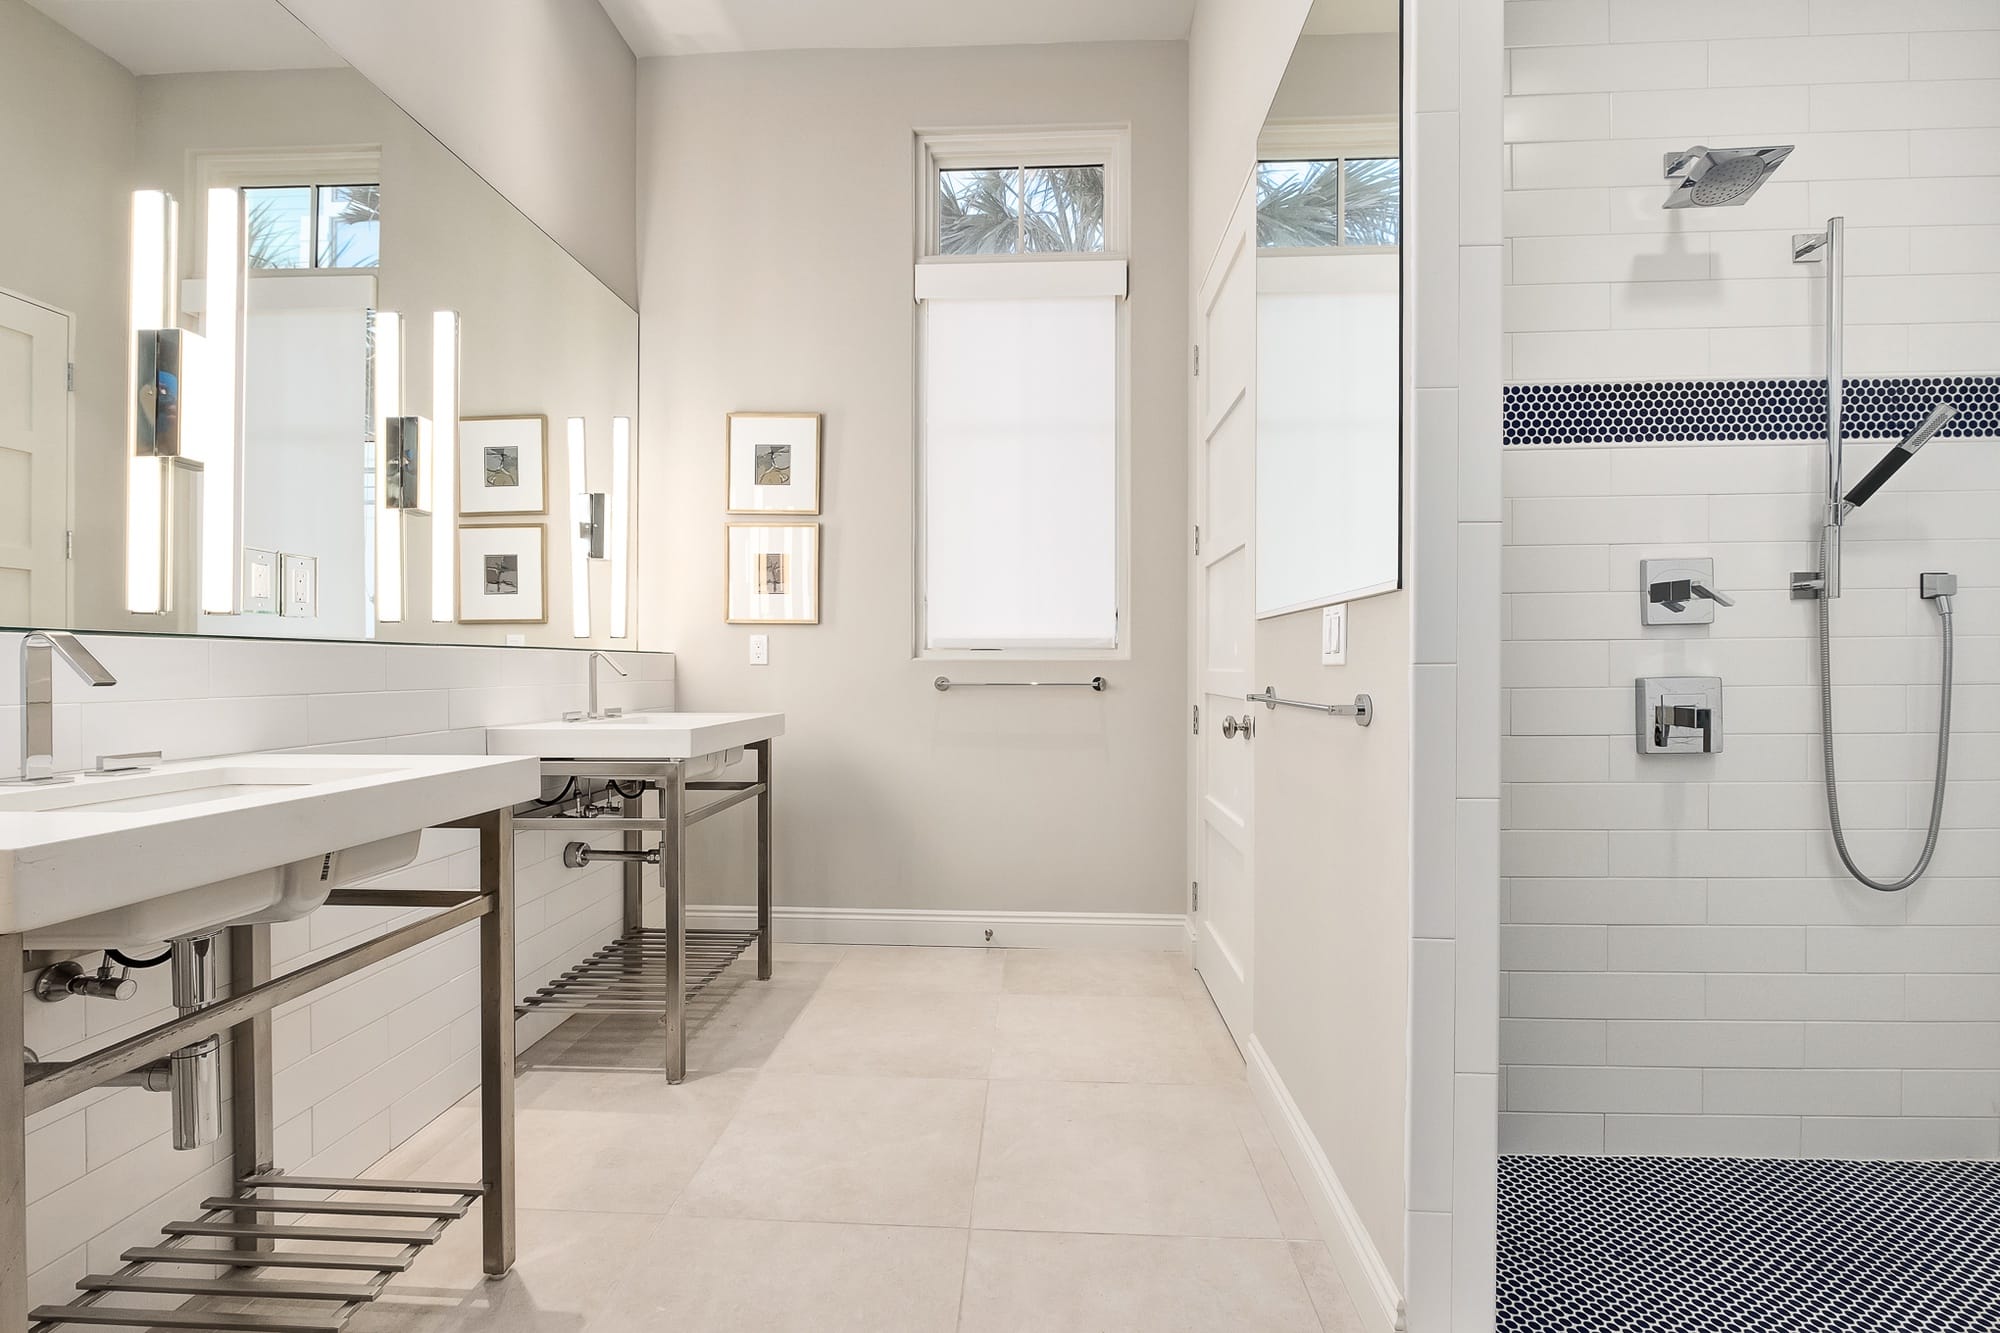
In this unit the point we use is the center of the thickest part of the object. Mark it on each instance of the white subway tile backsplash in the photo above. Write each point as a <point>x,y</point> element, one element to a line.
<point>1701,1136</point>
<point>1552,1041</point>
<point>1960,998</point>
<point>1565,1135</point>
<point>1609,69</point>
<point>1609,901</point>
<point>1706,1044</point>
<point>1556,22</point>
<point>1604,995</point>
<point>1909,949</point>
<point>1923,1045</point>
<point>1641,21</point>
<point>1762,61</point>
<point>1951,1092</point>
<point>1803,1092</point>
<point>1604,1089</point>
<point>1707,948</point>
<point>1901,1138</point>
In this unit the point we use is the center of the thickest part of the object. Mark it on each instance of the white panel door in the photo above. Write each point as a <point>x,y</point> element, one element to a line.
<point>1225,619</point>
<point>34,464</point>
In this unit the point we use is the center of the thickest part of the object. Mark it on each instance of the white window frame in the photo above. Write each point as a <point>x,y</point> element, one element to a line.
<point>1321,140</point>
<point>1046,146</point>
<point>282,168</point>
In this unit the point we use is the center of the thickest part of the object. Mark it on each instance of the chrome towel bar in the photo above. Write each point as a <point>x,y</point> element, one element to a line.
<point>1362,710</point>
<point>1097,683</point>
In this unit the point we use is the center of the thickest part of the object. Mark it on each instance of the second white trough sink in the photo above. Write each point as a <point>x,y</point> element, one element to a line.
<point>191,847</point>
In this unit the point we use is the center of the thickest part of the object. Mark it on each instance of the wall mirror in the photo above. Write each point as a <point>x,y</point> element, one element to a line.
<point>275,362</point>
<point>1329,315</point>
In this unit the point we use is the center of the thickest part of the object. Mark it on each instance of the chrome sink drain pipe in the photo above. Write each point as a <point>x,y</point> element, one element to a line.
<point>195,1078</point>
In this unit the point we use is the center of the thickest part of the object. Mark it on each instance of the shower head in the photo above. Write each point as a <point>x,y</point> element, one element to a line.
<point>1709,177</point>
<point>1893,461</point>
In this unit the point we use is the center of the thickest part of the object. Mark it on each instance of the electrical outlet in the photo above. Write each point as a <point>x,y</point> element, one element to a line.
<point>760,650</point>
<point>517,641</point>
<point>1333,636</point>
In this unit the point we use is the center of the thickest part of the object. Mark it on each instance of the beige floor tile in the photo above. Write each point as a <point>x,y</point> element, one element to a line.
<point>962,970</point>
<point>1017,1281</point>
<point>1109,1039</point>
<point>1118,1157</point>
<point>709,1275</point>
<point>565,1274</point>
<point>934,1035</point>
<point>1323,1283</point>
<point>732,1027</point>
<point>630,1152</point>
<point>1081,972</point>
<point>834,1148</point>
<point>1281,1187</point>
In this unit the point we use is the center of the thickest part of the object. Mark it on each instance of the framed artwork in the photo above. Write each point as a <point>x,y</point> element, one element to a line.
<point>503,575</point>
<point>503,465</point>
<point>774,462</point>
<point>772,574</point>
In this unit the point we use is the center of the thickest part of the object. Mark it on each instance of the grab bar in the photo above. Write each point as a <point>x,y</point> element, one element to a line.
<point>1097,683</point>
<point>1362,710</point>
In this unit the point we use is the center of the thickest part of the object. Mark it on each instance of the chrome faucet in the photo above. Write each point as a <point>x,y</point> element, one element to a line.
<point>595,712</point>
<point>38,697</point>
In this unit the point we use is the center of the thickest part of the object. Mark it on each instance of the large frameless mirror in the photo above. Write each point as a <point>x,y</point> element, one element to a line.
<point>275,362</point>
<point>1329,315</point>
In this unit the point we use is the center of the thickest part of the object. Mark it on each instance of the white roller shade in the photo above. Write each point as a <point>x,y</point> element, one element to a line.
<point>1020,416</point>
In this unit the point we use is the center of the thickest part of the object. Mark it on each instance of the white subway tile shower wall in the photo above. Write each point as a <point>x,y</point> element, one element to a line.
<point>1895,110</point>
<point>1687,969</point>
<point>362,1066</point>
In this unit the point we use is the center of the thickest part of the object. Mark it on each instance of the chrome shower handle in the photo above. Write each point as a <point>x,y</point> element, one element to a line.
<point>1703,590</point>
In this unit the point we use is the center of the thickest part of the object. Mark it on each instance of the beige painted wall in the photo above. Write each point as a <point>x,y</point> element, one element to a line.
<point>68,134</point>
<point>537,95</point>
<point>777,239</point>
<point>1236,53</point>
<point>1355,74</point>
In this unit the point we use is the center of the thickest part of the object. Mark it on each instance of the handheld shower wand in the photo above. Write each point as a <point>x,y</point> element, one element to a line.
<point>1823,584</point>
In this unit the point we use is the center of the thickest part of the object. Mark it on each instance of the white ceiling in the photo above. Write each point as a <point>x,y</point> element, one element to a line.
<point>688,27</point>
<point>193,36</point>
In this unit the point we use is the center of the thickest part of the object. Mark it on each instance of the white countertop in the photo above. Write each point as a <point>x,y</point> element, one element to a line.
<point>74,849</point>
<point>637,736</point>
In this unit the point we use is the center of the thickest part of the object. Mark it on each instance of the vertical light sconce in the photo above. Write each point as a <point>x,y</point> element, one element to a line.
<point>215,405</point>
<point>444,466</point>
<point>385,381</point>
<point>581,529</point>
<point>621,519</point>
<point>154,380</point>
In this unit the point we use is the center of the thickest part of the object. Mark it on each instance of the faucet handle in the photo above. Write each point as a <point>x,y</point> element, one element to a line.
<point>138,761</point>
<point>1703,590</point>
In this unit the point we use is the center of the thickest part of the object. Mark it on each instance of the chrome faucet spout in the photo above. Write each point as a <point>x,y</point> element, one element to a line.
<point>38,695</point>
<point>595,657</point>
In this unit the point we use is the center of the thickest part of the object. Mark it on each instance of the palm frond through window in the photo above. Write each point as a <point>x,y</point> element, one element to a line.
<point>1321,202</point>
<point>1021,210</point>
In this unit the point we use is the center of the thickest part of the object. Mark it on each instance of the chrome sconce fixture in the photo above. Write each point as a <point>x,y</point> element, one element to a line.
<point>407,484</point>
<point>602,526</point>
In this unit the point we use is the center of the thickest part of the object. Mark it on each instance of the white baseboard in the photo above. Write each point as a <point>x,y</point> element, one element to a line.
<point>1164,932</point>
<point>1369,1281</point>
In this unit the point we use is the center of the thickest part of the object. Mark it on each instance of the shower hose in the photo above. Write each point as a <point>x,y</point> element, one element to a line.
<point>1833,783</point>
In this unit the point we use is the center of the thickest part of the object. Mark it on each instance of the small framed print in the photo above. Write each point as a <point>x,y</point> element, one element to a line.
<point>773,574</point>
<point>503,575</point>
<point>260,582</point>
<point>774,462</point>
<point>503,465</point>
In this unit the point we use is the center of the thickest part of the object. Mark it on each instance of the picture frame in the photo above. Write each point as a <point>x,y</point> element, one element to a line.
<point>503,466</point>
<point>771,573</point>
<point>503,575</point>
<point>774,462</point>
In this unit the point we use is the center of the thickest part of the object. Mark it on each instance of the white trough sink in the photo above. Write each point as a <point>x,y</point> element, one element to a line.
<point>637,736</point>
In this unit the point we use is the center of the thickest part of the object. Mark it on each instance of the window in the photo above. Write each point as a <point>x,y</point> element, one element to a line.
<point>295,227</point>
<point>1021,287</point>
<point>1316,202</point>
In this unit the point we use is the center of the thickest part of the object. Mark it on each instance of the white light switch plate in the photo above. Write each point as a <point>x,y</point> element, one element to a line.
<point>760,650</point>
<point>1333,636</point>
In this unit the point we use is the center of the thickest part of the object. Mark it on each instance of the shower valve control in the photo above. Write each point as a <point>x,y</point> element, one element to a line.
<point>1679,714</point>
<point>1679,592</point>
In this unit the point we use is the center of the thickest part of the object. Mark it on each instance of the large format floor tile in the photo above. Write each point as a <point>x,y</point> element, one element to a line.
<point>1144,1159</point>
<point>1017,1280</point>
<point>838,1148</point>
<point>917,969</point>
<point>932,1035</point>
<point>713,1275</point>
<point>1074,972</point>
<point>1109,1039</point>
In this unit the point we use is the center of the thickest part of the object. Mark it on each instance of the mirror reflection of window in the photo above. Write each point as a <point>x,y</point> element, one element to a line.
<point>1315,202</point>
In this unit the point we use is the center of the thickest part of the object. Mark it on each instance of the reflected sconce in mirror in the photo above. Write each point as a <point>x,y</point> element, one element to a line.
<point>620,524</point>
<point>444,465</point>
<point>408,481</point>
<point>215,404</point>
<point>586,516</point>
<point>154,415</point>
<point>385,387</point>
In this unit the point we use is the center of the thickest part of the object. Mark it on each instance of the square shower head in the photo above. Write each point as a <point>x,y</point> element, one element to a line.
<point>1712,177</point>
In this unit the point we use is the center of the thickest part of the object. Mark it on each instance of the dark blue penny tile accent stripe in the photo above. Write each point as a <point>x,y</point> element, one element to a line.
<point>1734,1245</point>
<point>1748,411</point>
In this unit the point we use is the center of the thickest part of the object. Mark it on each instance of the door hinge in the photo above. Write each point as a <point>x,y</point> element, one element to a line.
<point>1197,539</point>
<point>1197,360</point>
<point>1197,719</point>
<point>1197,895</point>
<point>69,377</point>
<point>69,544</point>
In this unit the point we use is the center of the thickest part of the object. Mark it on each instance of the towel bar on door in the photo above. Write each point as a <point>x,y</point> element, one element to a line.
<point>944,683</point>
<point>1362,710</point>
